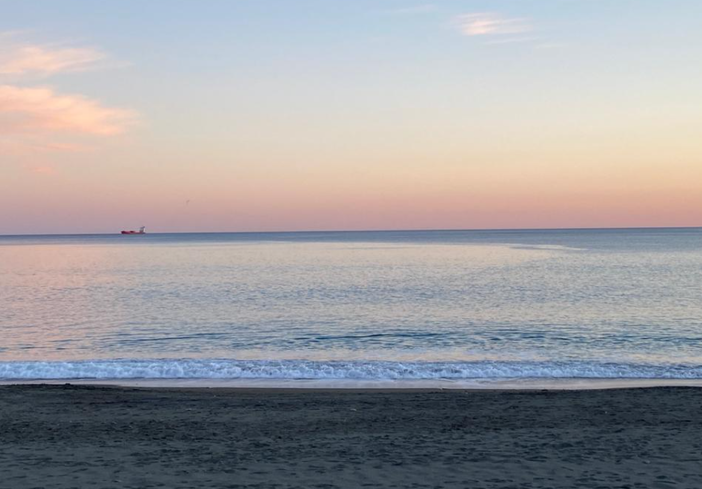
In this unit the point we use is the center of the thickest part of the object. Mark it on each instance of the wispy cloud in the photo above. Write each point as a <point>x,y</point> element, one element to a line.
<point>491,24</point>
<point>44,60</point>
<point>35,110</point>
<point>38,119</point>
<point>63,147</point>
<point>42,170</point>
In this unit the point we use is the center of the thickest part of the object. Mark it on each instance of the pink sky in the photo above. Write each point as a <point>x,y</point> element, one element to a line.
<point>500,120</point>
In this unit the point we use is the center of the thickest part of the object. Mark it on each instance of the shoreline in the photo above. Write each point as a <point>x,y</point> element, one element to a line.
<point>367,385</point>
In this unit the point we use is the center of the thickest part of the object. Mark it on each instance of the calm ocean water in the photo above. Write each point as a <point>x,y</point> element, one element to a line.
<point>353,305</point>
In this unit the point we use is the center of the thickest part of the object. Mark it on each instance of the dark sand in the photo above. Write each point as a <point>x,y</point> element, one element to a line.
<point>83,436</point>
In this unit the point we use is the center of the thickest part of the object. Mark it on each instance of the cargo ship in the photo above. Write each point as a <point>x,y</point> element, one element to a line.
<point>142,230</point>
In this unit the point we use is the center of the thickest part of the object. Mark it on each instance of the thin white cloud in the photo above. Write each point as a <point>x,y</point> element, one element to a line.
<point>37,119</point>
<point>491,24</point>
<point>41,110</point>
<point>45,60</point>
<point>63,148</point>
<point>42,170</point>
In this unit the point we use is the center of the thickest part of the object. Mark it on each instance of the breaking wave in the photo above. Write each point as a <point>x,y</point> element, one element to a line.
<point>338,370</point>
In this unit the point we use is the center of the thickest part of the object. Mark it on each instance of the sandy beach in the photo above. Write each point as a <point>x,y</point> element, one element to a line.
<point>56,436</point>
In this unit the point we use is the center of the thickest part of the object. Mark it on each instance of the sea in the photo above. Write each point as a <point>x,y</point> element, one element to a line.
<point>353,308</point>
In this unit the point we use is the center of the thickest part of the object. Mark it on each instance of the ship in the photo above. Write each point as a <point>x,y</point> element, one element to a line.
<point>142,230</point>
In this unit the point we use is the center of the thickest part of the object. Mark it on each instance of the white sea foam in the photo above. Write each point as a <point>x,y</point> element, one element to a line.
<point>337,370</point>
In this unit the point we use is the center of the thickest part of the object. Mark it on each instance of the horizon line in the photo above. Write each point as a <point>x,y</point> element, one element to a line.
<point>622,228</point>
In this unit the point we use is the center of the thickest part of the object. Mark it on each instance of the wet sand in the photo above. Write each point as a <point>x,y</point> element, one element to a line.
<point>55,436</point>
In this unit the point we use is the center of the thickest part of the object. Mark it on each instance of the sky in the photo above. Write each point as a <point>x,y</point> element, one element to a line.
<point>284,115</point>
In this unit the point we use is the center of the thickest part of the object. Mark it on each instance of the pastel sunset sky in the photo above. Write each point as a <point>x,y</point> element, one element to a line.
<point>266,115</point>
